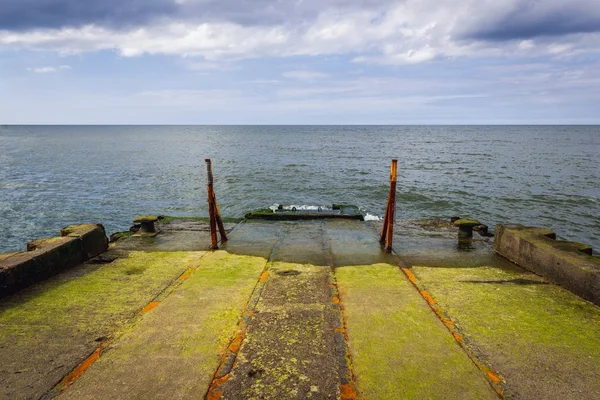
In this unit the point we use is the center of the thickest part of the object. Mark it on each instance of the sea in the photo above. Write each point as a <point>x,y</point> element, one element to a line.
<point>53,176</point>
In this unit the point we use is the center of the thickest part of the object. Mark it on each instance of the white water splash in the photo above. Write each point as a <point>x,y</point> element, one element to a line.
<point>371,217</point>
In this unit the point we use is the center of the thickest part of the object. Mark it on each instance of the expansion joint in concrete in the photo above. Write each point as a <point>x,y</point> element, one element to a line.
<point>229,357</point>
<point>342,351</point>
<point>105,342</point>
<point>494,380</point>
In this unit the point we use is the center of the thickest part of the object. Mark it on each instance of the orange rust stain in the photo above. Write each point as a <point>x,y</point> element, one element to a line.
<point>81,368</point>
<point>339,330</point>
<point>449,323</point>
<point>213,392</point>
<point>184,277</point>
<point>264,276</point>
<point>347,392</point>
<point>428,297</point>
<point>215,395</point>
<point>150,306</point>
<point>495,378</point>
<point>409,275</point>
<point>235,344</point>
<point>335,299</point>
<point>457,336</point>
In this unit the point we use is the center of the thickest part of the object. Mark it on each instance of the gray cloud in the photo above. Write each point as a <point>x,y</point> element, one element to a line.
<point>31,14</point>
<point>531,19</point>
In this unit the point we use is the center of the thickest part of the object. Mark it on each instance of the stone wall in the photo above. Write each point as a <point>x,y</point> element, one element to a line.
<point>47,257</point>
<point>568,264</point>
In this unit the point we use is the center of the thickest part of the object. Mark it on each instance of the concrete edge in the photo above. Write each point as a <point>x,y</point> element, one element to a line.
<point>49,256</point>
<point>564,263</point>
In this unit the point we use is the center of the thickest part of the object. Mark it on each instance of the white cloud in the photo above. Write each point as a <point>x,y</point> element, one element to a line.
<point>412,31</point>
<point>305,75</point>
<point>49,69</point>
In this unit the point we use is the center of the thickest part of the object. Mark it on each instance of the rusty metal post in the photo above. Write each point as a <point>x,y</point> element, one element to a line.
<point>222,232</point>
<point>213,209</point>
<point>387,230</point>
<point>211,205</point>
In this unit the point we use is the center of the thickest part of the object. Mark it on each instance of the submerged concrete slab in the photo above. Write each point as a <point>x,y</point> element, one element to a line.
<point>355,243</point>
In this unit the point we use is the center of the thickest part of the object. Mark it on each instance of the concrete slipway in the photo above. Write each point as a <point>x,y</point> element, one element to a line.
<point>296,310</point>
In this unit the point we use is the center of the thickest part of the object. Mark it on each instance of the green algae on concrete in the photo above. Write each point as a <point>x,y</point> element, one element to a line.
<point>289,349</point>
<point>174,350</point>
<point>399,348</point>
<point>168,219</point>
<point>543,340</point>
<point>48,329</point>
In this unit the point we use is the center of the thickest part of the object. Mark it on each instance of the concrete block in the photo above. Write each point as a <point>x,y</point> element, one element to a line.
<point>568,264</point>
<point>47,257</point>
<point>92,236</point>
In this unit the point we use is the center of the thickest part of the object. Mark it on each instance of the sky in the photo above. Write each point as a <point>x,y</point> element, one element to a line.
<point>299,62</point>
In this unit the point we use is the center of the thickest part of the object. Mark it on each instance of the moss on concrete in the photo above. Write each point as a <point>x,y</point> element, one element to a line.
<point>400,350</point>
<point>542,339</point>
<point>466,223</point>
<point>170,219</point>
<point>289,348</point>
<point>174,350</point>
<point>78,230</point>
<point>48,329</point>
<point>145,218</point>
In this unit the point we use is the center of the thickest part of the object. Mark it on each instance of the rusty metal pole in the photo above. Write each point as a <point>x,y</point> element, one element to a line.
<point>219,219</point>
<point>387,230</point>
<point>211,205</point>
<point>385,221</point>
<point>392,206</point>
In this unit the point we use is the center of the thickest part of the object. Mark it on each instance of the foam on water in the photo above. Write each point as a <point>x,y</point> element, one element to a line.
<point>371,217</point>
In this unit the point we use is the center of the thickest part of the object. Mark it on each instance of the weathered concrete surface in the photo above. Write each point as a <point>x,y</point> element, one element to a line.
<point>91,236</point>
<point>47,329</point>
<point>447,319</point>
<point>542,340</point>
<point>567,264</point>
<point>289,350</point>
<point>47,257</point>
<point>174,349</point>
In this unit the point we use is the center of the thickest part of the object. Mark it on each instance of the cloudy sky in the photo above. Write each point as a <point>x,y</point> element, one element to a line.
<point>300,61</point>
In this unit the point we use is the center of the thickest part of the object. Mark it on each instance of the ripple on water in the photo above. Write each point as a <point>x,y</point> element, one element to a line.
<point>54,176</point>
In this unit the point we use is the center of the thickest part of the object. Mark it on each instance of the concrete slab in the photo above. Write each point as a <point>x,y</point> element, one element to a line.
<point>542,340</point>
<point>400,349</point>
<point>254,238</point>
<point>355,243</point>
<point>304,243</point>
<point>289,349</point>
<point>175,348</point>
<point>47,329</point>
<point>568,264</point>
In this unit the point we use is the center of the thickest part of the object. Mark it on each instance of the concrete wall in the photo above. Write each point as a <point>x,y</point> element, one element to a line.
<point>568,264</point>
<point>47,257</point>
